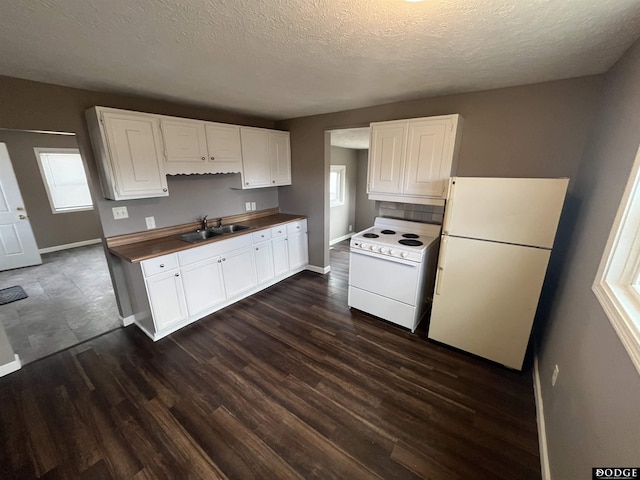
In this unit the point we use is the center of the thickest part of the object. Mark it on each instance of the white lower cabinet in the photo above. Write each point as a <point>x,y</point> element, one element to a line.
<point>171,291</point>
<point>239,272</point>
<point>264,262</point>
<point>203,285</point>
<point>166,297</point>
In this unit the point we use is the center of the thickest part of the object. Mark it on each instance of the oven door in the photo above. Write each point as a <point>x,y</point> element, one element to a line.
<point>394,278</point>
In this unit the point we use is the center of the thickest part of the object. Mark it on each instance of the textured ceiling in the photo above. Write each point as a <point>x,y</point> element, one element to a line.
<point>288,58</point>
<point>357,138</point>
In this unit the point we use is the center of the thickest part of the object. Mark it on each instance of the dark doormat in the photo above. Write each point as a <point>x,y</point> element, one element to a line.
<point>12,294</point>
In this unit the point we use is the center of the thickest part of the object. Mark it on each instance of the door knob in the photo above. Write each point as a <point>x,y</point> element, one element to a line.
<point>22,217</point>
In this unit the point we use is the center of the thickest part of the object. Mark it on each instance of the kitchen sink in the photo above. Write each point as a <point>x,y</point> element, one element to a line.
<point>202,235</point>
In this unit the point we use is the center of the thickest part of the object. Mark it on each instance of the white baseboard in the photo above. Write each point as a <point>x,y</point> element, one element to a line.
<point>67,246</point>
<point>126,321</point>
<point>340,239</point>
<point>323,271</point>
<point>11,367</point>
<point>542,430</point>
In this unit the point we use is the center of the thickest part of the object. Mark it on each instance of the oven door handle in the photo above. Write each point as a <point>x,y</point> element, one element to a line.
<point>402,261</point>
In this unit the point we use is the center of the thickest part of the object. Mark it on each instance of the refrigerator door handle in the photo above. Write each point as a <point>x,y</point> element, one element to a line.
<point>449,206</point>
<point>441,263</point>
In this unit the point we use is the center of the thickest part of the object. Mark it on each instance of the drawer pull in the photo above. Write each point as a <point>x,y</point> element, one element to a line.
<point>177,274</point>
<point>162,265</point>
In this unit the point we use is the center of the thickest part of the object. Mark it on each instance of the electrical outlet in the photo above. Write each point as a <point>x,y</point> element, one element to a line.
<point>554,377</point>
<point>120,213</point>
<point>151,222</point>
<point>350,228</point>
<point>253,205</point>
<point>247,206</point>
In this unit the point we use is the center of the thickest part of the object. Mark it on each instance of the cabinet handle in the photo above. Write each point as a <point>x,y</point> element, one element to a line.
<point>273,181</point>
<point>20,209</point>
<point>257,248</point>
<point>162,265</point>
<point>204,158</point>
<point>22,217</point>
<point>219,261</point>
<point>224,259</point>
<point>177,274</point>
<point>213,158</point>
<point>246,183</point>
<point>164,189</point>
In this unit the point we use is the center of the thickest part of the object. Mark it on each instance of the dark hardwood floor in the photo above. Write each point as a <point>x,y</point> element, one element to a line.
<point>288,383</point>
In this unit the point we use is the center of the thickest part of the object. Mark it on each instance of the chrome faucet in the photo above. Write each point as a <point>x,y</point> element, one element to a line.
<point>204,222</point>
<point>219,223</point>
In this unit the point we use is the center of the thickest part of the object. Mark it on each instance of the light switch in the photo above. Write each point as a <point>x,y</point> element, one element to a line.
<point>151,222</point>
<point>120,212</point>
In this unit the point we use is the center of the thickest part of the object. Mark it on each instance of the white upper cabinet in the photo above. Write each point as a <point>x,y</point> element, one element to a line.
<point>193,146</point>
<point>266,158</point>
<point>411,160</point>
<point>225,152</point>
<point>129,151</point>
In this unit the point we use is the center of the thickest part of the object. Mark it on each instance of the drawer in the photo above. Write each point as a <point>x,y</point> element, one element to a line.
<point>296,227</point>
<point>156,265</point>
<point>261,236</point>
<point>278,231</point>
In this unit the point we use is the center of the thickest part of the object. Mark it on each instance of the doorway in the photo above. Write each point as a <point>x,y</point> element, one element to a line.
<point>350,210</point>
<point>70,295</point>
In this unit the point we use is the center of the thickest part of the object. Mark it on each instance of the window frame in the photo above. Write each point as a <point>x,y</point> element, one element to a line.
<point>341,170</point>
<point>40,150</point>
<point>616,285</point>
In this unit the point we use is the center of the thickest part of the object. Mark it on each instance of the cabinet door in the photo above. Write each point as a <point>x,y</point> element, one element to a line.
<point>386,157</point>
<point>298,250</point>
<point>280,158</point>
<point>185,145</point>
<point>280,255</point>
<point>256,168</point>
<point>135,151</point>
<point>166,298</point>
<point>225,151</point>
<point>264,262</point>
<point>428,158</point>
<point>203,286</point>
<point>239,271</point>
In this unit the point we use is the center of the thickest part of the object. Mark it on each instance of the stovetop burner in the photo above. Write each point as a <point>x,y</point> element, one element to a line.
<point>410,243</point>
<point>370,235</point>
<point>388,232</point>
<point>410,235</point>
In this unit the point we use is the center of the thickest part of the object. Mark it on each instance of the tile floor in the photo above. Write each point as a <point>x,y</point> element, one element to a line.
<point>70,300</point>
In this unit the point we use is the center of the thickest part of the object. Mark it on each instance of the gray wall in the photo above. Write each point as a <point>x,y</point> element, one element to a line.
<point>49,229</point>
<point>344,215</point>
<point>535,130</point>
<point>28,105</point>
<point>592,415</point>
<point>366,210</point>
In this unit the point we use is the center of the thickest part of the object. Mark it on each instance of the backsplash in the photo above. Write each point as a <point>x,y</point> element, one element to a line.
<point>410,211</point>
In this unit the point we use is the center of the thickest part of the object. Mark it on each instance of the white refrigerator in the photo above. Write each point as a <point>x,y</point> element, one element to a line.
<point>497,237</point>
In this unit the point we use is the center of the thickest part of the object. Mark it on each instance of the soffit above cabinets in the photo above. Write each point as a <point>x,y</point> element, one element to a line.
<point>295,58</point>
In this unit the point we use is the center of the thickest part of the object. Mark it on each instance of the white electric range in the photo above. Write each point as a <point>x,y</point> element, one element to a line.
<point>392,268</point>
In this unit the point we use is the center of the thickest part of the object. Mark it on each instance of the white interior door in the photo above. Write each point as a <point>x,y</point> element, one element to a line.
<point>18,246</point>
<point>486,297</point>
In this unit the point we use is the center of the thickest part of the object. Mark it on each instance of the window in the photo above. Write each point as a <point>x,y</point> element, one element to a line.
<point>64,179</point>
<point>336,185</point>
<point>617,283</point>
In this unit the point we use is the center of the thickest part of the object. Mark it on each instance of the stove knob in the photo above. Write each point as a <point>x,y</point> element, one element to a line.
<point>403,254</point>
<point>374,248</point>
<point>363,245</point>
<point>383,250</point>
<point>392,252</point>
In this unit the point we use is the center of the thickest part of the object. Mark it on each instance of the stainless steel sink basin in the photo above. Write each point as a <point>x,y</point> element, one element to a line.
<point>231,228</point>
<point>202,235</point>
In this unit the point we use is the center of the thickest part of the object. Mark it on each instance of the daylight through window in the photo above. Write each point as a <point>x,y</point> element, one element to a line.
<point>336,185</point>
<point>64,179</point>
